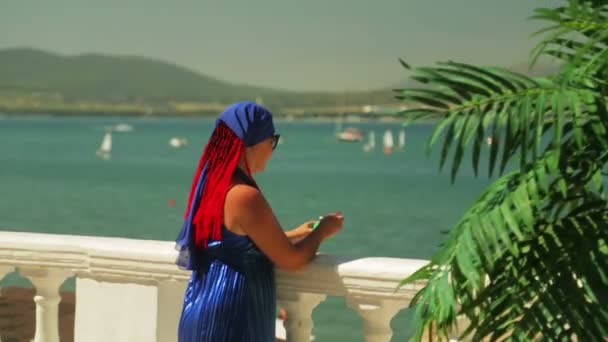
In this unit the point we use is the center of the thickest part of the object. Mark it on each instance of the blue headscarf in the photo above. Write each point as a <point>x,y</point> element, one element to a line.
<point>249,121</point>
<point>252,123</point>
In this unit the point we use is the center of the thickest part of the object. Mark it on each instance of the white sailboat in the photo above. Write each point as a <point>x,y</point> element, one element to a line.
<point>105,149</point>
<point>401,139</point>
<point>178,142</point>
<point>371,143</point>
<point>388,142</point>
<point>122,127</point>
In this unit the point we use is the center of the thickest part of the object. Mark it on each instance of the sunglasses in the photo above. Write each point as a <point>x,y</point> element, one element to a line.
<point>275,140</point>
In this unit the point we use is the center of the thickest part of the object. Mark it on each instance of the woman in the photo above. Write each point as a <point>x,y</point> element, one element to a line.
<point>231,239</point>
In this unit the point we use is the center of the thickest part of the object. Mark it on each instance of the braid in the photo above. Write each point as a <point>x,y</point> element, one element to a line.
<point>221,155</point>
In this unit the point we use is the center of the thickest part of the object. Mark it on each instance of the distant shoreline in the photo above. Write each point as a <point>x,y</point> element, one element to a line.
<point>312,117</point>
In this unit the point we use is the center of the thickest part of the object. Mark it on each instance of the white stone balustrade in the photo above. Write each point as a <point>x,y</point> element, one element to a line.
<point>131,290</point>
<point>47,282</point>
<point>299,307</point>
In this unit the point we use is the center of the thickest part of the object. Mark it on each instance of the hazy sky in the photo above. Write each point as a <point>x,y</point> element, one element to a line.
<point>298,45</point>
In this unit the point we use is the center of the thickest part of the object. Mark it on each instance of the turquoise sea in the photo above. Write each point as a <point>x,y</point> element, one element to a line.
<point>395,205</point>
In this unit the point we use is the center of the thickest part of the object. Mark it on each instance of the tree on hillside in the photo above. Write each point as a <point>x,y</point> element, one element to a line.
<point>529,259</point>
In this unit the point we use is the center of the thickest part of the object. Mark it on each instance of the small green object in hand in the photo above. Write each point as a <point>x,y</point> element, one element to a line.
<point>316,224</point>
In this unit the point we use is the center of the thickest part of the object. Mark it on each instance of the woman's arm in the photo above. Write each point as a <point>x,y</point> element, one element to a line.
<point>247,209</point>
<point>298,234</point>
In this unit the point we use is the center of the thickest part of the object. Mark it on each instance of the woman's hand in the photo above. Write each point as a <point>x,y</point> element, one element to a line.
<point>297,234</point>
<point>331,224</point>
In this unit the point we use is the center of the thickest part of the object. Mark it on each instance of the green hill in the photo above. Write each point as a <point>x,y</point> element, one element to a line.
<point>94,77</point>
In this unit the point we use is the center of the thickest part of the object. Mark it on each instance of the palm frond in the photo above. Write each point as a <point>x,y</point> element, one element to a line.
<point>498,257</point>
<point>514,110</point>
<point>550,289</point>
<point>578,35</point>
<point>529,260</point>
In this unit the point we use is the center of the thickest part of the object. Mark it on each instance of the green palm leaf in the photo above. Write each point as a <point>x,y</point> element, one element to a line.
<point>473,102</point>
<point>529,260</point>
<point>579,33</point>
<point>507,228</point>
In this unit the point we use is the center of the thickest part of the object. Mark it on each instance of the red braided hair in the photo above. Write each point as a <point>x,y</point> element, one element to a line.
<point>222,155</point>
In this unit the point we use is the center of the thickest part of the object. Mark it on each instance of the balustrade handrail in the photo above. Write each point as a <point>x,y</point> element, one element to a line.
<point>145,261</point>
<point>370,284</point>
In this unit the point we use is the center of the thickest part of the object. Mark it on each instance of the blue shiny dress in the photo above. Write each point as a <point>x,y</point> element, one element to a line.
<point>231,294</point>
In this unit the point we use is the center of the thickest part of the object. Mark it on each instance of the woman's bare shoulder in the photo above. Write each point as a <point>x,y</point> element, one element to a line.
<point>242,203</point>
<point>241,193</point>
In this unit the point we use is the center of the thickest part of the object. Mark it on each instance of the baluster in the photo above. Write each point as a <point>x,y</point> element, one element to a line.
<point>47,298</point>
<point>377,315</point>
<point>299,307</point>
